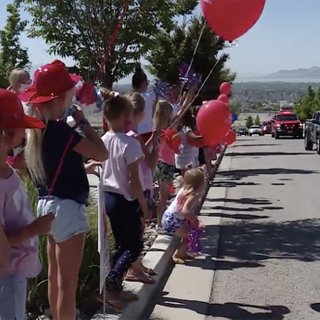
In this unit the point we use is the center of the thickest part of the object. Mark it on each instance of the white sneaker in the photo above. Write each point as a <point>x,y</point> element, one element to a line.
<point>160,230</point>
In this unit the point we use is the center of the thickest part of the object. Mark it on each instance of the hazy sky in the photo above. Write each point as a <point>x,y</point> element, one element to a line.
<point>285,37</point>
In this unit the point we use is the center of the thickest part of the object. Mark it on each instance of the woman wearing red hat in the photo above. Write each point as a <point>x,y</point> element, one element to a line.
<point>54,159</point>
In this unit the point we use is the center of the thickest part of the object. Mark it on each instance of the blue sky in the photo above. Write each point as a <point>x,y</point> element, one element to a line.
<point>285,37</point>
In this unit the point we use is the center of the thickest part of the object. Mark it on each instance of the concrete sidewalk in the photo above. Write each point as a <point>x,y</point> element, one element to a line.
<point>187,292</point>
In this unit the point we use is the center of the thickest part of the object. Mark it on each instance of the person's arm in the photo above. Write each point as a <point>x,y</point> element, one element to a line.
<point>135,184</point>
<point>4,251</point>
<point>40,226</point>
<point>187,209</point>
<point>91,146</point>
<point>194,137</point>
<point>150,158</point>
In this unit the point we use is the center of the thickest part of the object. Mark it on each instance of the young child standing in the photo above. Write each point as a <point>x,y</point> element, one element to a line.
<point>54,159</point>
<point>124,198</point>
<point>16,216</point>
<point>138,272</point>
<point>188,155</point>
<point>165,168</point>
<point>179,216</point>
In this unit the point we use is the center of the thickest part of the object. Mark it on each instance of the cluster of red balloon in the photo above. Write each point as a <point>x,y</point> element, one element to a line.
<point>213,120</point>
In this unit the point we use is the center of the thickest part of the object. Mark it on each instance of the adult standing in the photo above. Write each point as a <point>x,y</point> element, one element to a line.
<point>140,84</point>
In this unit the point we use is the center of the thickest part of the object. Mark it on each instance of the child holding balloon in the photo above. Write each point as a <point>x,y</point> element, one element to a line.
<point>189,139</point>
<point>165,168</point>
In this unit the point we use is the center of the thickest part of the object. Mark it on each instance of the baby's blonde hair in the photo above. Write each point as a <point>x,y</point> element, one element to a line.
<point>193,179</point>
<point>16,76</point>
<point>138,102</point>
<point>162,115</point>
<point>35,138</point>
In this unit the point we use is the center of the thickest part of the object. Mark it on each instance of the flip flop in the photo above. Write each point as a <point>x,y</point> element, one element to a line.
<point>142,278</point>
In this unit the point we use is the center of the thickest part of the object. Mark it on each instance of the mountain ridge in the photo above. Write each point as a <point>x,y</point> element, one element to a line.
<point>302,73</point>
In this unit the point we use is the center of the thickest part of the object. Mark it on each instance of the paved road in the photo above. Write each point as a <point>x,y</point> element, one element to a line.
<point>269,251</point>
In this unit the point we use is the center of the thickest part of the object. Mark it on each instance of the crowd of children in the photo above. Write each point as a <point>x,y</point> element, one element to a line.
<point>54,152</point>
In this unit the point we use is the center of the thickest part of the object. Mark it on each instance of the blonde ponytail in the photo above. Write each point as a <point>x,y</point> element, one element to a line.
<point>33,151</point>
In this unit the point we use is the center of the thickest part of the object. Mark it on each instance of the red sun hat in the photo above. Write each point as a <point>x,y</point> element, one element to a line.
<point>49,82</point>
<point>12,115</point>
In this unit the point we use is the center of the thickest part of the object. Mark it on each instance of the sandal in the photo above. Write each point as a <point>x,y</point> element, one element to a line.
<point>129,296</point>
<point>113,302</point>
<point>150,272</point>
<point>144,278</point>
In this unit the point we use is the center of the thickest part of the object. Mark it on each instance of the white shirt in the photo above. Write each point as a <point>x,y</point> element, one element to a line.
<point>123,151</point>
<point>146,124</point>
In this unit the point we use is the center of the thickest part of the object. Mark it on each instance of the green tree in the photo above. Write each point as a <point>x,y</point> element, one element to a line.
<point>234,107</point>
<point>174,47</point>
<point>257,121</point>
<point>249,122</point>
<point>83,29</point>
<point>12,55</point>
<point>307,105</point>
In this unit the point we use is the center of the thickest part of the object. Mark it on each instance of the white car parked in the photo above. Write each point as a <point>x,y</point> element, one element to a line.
<point>255,130</point>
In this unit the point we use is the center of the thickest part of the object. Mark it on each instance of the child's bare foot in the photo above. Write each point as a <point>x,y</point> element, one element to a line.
<point>188,256</point>
<point>129,296</point>
<point>139,277</point>
<point>178,260</point>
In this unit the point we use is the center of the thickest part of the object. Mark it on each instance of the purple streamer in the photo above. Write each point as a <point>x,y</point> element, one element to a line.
<point>194,240</point>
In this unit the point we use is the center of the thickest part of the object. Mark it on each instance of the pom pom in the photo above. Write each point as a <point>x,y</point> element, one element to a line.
<point>188,76</point>
<point>161,89</point>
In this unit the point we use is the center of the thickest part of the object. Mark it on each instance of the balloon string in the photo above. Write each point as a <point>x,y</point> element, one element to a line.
<point>183,111</point>
<point>193,55</point>
<point>113,38</point>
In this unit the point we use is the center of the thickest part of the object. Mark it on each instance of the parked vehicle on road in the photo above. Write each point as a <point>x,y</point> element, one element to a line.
<point>242,131</point>
<point>286,123</point>
<point>255,129</point>
<point>312,132</point>
<point>266,127</point>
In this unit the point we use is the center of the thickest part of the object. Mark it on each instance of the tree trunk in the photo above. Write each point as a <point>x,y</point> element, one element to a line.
<point>108,79</point>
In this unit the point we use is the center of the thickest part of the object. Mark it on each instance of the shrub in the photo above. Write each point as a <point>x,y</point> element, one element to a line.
<point>89,272</point>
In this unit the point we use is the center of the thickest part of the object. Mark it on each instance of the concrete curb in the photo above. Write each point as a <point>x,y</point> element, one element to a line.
<point>159,259</point>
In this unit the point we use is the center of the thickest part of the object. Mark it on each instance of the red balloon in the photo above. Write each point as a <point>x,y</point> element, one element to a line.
<point>225,88</point>
<point>224,98</point>
<point>230,138</point>
<point>213,121</point>
<point>172,140</point>
<point>198,143</point>
<point>230,19</point>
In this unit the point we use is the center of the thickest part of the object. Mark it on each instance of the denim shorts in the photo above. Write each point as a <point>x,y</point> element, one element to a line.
<point>13,297</point>
<point>70,217</point>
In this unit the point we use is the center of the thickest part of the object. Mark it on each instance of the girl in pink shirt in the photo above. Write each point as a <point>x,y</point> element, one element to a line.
<point>138,272</point>
<point>16,216</point>
<point>165,168</point>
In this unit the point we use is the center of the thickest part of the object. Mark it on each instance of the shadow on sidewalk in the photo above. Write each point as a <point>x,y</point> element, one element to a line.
<point>299,240</point>
<point>270,153</point>
<point>242,200</point>
<point>229,310</point>
<point>224,208</point>
<point>238,174</point>
<point>232,184</point>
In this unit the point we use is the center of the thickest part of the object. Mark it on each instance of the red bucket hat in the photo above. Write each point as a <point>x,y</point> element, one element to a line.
<point>49,82</point>
<point>12,115</point>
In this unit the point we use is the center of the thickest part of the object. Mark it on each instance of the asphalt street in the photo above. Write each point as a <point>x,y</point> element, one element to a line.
<point>268,264</point>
